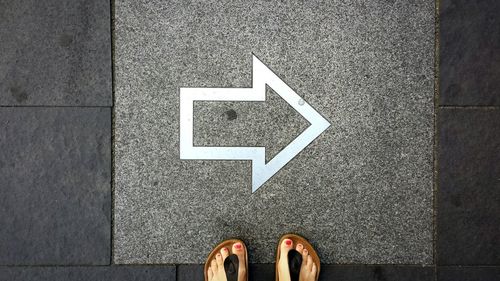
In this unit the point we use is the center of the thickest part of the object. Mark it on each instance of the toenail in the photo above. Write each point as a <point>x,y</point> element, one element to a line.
<point>218,255</point>
<point>237,246</point>
<point>225,250</point>
<point>288,242</point>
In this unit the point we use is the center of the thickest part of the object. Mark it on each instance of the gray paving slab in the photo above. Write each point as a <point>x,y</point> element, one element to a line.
<point>55,52</point>
<point>469,52</point>
<point>465,273</point>
<point>468,214</point>
<point>361,192</point>
<point>55,194</point>
<point>86,273</point>
<point>376,273</point>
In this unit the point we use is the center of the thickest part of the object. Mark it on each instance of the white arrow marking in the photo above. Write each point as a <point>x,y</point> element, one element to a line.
<point>261,171</point>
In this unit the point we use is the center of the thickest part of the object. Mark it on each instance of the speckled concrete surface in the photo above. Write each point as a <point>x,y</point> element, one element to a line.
<point>361,192</point>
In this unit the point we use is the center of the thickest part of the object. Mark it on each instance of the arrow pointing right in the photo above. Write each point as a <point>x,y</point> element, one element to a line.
<point>261,76</point>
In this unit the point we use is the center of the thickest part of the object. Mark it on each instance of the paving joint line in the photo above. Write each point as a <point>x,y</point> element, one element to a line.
<point>57,106</point>
<point>481,107</point>
<point>112,220</point>
<point>436,137</point>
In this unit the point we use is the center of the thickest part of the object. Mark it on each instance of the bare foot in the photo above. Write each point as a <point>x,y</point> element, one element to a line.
<point>308,269</point>
<point>216,271</point>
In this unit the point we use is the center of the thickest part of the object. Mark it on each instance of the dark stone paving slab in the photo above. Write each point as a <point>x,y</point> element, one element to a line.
<point>469,52</point>
<point>194,272</point>
<point>468,274</point>
<point>190,272</point>
<point>55,197</point>
<point>86,273</point>
<point>264,272</point>
<point>361,192</point>
<point>469,187</point>
<point>55,52</point>
<point>376,273</point>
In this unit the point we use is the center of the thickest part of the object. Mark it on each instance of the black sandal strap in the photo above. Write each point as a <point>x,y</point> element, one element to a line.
<point>231,266</point>
<point>294,264</point>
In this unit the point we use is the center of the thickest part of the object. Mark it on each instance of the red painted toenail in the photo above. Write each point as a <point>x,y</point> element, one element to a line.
<point>225,250</point>
<point>288,242</point>
<point>237,246</point>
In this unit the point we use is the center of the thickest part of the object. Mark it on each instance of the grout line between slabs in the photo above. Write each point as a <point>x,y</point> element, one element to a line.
<point>482,107</point>
<point>112,220</point>
<point>334,264</point>
<point>56,106</point>
<point>83,265</point>
<point>469,266</point>
<point>436,137</point>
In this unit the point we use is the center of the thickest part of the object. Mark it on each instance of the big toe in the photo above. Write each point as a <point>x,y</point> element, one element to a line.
<point>239,250</point>
<point>285,247</point>
<point>283,270</point>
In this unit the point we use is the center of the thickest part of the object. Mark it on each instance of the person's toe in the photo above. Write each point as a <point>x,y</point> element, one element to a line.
<point>299,248</point>
<point>213,265</point>
<point>240,251</point>
<point>283,270</point>
<point>218,259</point>
<point>210,273</point>
<point>225,253</point>
<point>286,246</point>
<point>309,263</point>
<point>314,269</point>
<point>305,254</point>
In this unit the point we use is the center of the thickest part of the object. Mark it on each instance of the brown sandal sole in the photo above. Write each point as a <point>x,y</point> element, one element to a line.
<point>228,244</point>
<point>297,239</point>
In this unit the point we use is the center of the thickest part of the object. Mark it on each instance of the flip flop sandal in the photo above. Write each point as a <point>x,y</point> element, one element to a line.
<point>295,258</point>
<point>231,263</point>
